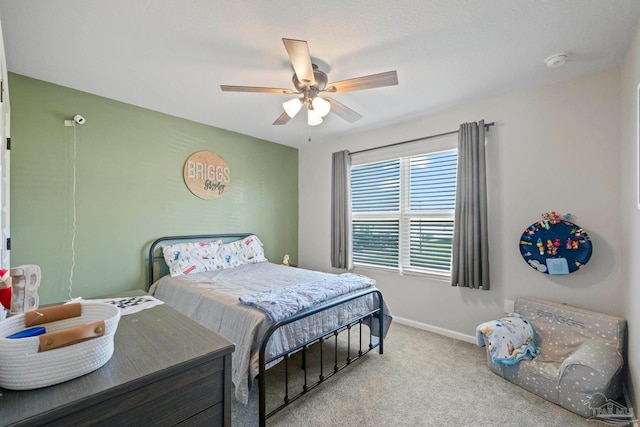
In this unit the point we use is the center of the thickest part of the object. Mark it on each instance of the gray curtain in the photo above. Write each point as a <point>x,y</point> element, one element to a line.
<point>341,210</point>
<point>470,262</point>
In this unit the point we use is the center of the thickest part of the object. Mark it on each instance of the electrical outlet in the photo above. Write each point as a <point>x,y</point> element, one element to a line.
<point>69,123</point>
<point>509,306</point>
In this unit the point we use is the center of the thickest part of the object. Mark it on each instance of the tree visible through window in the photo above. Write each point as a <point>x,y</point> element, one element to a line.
<point>402,212</point>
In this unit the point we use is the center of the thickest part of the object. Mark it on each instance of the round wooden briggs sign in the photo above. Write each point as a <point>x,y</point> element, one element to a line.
<point>207,175</point>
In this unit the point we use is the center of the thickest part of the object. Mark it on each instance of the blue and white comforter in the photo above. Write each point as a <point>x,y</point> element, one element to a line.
<point>282,303</point>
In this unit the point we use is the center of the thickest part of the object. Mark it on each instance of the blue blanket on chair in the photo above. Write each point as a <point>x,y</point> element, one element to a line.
<point>509,340</point>
<point>281,303</point>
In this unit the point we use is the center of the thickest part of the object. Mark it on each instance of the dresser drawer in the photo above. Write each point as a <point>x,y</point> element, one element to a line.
<point>168,401</point>
<point>213,416</point>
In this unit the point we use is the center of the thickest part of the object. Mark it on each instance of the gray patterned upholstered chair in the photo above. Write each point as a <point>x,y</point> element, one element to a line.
<point>580,361</point>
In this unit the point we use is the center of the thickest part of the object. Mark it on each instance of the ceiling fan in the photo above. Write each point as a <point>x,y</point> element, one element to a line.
<point>309,81</point>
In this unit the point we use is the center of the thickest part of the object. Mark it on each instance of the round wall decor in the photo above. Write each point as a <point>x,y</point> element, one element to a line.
<point>207,175</point>
<point>555,245</point>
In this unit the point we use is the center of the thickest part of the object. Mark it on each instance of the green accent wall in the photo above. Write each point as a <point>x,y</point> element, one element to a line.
<point>129,188</point>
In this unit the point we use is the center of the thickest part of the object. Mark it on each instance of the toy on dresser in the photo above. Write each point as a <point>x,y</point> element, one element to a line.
<point>26,279</point>
<point>5,293</point>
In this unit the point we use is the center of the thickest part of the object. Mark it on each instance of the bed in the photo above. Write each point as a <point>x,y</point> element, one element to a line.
<point>227,280</point>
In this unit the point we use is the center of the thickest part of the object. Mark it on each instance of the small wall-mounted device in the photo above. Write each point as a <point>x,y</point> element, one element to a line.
<point>556,60</point>
<point>77,119</point>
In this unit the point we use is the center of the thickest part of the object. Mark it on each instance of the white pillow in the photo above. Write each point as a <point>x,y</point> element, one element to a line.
<point>228,255</point>
<point>246,251</point>
<point>252,250</point>
<point>191,258</point>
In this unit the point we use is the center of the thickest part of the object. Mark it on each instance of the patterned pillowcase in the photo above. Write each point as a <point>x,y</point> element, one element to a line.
<point>228,255</point>
<point>191,258</point>
<point>246,251</point>
<point>252,250</point>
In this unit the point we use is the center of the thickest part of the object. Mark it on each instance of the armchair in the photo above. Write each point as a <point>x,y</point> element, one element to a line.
<point>580,359</point>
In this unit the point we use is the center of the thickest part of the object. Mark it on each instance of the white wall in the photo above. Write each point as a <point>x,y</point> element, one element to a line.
<point>555,148</point>
<point>629,212</point>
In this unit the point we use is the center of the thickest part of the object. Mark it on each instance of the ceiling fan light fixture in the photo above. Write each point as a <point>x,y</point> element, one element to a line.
<point>313,119</point>
<point>321,106</point>
<point>292,106</point>
<point>309,81</point>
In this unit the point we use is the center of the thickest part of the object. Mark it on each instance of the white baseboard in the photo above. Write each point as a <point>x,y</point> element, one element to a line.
<point>435,329</point>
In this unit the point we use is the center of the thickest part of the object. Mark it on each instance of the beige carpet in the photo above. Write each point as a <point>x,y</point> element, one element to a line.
<point>422,379</point>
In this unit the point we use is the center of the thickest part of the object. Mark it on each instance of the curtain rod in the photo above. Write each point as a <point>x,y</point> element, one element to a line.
<point>486,126</point>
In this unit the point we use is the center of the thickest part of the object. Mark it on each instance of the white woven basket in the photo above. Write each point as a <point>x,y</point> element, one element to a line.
<point>22,367</point>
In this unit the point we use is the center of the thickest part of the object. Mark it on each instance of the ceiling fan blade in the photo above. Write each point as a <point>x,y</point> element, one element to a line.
<point>389,78</point>
<point>283,119</point>
<point>226,88</point>
<point>300,58</point>
<point>343,111</point>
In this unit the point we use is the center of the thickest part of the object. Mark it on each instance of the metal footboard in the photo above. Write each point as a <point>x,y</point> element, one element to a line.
<point>372,316</point>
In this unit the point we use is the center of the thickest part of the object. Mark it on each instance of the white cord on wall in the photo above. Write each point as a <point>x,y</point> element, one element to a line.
<point>73,234</point>
<point>77,120</point>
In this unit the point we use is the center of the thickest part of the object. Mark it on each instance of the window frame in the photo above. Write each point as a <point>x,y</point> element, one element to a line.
<point>405,214</point>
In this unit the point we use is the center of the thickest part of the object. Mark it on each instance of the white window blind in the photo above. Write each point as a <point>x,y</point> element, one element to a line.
<point>402,212</point>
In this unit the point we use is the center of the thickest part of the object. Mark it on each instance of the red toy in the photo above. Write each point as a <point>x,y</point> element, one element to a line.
<point>5,289</point>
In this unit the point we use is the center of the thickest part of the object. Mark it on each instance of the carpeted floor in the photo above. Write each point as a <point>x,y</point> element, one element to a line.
<point>422,379</point>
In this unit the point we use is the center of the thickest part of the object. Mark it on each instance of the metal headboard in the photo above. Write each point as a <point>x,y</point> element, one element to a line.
<point>157,244</point>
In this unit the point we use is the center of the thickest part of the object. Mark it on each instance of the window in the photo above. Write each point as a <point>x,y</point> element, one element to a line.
<point>403,211</point>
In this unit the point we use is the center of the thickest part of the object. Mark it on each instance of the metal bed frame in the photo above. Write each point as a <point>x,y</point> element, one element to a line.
<point>374,315</point>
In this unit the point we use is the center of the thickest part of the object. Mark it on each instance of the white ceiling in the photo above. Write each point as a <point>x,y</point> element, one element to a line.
<point>171,56</point>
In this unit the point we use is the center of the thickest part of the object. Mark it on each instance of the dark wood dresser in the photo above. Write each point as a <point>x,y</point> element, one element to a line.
<point>166,370</point>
